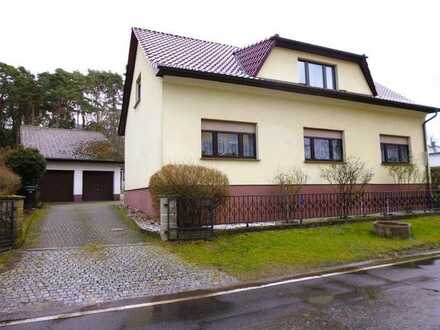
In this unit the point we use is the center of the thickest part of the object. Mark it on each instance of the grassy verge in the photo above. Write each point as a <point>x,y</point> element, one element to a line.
<point>30,220</point>
<point>281,252</point>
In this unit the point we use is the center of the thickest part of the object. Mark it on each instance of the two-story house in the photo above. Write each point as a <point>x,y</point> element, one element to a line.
<point>253,111</point>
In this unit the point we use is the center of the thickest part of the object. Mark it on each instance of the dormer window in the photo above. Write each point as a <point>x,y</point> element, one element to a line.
<point>316,74</point>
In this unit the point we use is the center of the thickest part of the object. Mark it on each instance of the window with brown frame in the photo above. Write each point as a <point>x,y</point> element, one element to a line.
<point>228,139</point>
<point>394,149</point>
<point>317,74</point>
<point>323,145</point>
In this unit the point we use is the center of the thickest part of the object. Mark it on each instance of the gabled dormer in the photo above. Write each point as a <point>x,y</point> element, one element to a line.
<point>310,65</point>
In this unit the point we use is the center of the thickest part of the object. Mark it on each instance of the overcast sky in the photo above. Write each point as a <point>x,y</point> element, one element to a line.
<point>400,38</point>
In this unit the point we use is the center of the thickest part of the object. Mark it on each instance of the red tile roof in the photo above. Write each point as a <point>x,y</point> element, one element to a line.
<point>171,54</point>
<point>188,53</point>
<point>251,58</point>
<point>170,50</point>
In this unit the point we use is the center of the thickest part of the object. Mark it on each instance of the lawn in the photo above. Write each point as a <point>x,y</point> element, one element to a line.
<point>264,254</point>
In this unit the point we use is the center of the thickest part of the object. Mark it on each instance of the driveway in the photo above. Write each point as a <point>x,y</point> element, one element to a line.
<point>77,224</point>
<point>85,254</point>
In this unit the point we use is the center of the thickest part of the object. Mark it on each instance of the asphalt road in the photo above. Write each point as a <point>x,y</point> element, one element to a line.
<point>398,297</point>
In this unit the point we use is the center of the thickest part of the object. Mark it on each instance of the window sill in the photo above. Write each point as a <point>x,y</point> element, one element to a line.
<point>395,163</point>
<point>324,162</point>
<point>231,158</point>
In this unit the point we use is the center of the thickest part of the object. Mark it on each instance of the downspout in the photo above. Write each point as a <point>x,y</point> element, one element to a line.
<point>427,169</point>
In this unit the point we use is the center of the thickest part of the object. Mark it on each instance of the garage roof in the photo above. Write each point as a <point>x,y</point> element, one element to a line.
<point>61,143</point>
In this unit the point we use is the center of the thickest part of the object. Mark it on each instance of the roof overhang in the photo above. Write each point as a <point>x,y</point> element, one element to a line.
<point>115,162</point>
<point>290,87</point>
<point>128,82</point>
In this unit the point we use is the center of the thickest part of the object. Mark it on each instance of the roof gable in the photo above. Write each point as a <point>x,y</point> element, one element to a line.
<point>251,58</point>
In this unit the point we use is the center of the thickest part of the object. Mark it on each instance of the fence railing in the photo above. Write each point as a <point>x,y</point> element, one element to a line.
<point>282,208</point>
<point>7,234</point>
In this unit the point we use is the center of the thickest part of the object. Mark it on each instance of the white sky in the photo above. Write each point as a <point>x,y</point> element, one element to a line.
<point>401,38</point>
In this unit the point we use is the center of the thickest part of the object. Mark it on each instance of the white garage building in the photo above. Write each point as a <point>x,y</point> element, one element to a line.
<point>72,176</point>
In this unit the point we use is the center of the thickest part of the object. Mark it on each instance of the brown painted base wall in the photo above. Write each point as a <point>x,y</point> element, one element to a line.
<point>140,199</point>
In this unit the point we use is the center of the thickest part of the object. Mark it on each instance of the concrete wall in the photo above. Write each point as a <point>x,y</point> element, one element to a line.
<point>79,167</point>
<point>280,118</point>
<point>282,64</point>
<point>143,133</point>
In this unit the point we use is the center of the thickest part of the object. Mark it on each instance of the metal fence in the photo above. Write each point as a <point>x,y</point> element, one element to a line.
<point>282,208</point>
<point>194,218</point>
<point>6,224</point>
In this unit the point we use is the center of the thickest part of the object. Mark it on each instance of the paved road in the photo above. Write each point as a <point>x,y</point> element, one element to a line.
<point>69,264</point>
<point>399,297</point>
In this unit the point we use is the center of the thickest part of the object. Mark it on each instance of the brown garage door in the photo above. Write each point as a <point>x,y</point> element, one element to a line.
<point>57,186</point>
<point>97,186</point>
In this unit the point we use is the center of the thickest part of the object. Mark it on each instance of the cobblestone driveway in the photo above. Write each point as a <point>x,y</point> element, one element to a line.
<point>76,224</point>
<point>44,281</point>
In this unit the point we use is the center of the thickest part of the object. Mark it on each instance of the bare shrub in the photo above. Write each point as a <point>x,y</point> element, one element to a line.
<point>10,182</point>
<point>290,181</point>
<point>188,181</point>
<point>406,173</point>
<point>351,179</point>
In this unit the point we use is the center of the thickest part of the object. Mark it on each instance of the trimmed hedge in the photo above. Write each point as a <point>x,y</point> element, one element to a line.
<point>188,181</point>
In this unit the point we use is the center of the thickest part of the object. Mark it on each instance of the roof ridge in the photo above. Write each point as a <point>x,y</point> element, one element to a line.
<point>184,37</point>
<point>61,129</point>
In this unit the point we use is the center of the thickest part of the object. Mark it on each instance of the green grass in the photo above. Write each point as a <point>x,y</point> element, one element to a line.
<point>30,220</point>
<point>6,259</point>
<point>284,252</point>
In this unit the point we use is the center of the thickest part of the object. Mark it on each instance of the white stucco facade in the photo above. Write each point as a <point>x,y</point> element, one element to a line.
<point>165,127</point>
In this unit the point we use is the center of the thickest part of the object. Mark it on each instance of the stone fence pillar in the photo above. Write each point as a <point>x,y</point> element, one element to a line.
<point>168,218</point>
<point>17,217</point>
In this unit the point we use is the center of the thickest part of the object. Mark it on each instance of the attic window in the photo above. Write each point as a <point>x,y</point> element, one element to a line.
<point>316,74</point>
<point>138,90</point>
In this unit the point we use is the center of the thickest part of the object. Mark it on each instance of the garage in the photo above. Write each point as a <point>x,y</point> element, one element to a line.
<point>97,186</point>
<point>57,186</point>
